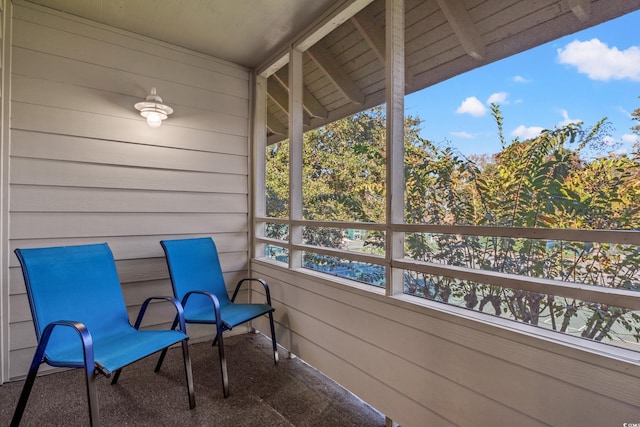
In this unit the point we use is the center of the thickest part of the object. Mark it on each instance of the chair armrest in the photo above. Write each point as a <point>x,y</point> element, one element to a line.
<point>87,345</point>
<point>216,306</point>
<point>214,299</point>
<point>250,279</point>
<point>179,312</point>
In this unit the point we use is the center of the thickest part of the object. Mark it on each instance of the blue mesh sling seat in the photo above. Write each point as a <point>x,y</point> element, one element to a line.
<point>198,283</point>
<point>81,320</point>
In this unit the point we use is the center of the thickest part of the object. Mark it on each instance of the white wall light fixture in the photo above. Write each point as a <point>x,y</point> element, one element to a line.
<point>153,109</point>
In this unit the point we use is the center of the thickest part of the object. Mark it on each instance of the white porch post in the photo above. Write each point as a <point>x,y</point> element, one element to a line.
<point>259,164</point>
<point>5,119</point>
<point>394,74</point>
<point>295,156</point>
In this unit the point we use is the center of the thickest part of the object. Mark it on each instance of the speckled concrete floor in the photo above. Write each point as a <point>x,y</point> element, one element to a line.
<point>289,394</point>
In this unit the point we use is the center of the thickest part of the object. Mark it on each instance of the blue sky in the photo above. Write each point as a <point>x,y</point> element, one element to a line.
<point>582,77</point>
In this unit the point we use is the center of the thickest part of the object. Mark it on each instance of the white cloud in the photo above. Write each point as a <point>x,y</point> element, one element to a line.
<point>601,62</point>
<point>631,138</point>
<point>524,132</point>
<point>609,140</point>
<point>473,106</point>
<point>498,98</point>
<point>520,79</point>
<point>566,120</point>
<point>462,134</point>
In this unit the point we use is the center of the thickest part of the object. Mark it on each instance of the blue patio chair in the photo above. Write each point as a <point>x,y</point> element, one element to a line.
<point>81,320</point>
<point>198,283</point>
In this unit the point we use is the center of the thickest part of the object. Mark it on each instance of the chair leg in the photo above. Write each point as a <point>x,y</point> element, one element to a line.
<point>160,360</point>
<point>164,352</point>
<point>223,366</point>
<point>189,374</point>
<point>26,389</point>
<point>273,338</point>
<point>92,396</point>
<point>116,375</point>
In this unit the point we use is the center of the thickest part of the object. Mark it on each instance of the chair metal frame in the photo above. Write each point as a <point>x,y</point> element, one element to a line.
<point>219,300</point>
<point>92,367</point>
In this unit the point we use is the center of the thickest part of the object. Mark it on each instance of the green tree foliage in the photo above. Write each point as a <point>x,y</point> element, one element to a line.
<point>343,177</point>
<point>544,182</point>
<point>343,171</point>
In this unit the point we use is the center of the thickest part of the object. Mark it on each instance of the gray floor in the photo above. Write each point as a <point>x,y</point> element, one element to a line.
<point>289,394</point>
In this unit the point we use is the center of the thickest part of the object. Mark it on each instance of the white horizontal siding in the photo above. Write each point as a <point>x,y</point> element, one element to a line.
<point>91,125</point>
<point>108,107</point>
<point>85,167</point>
<point>31,198</point>
<point>60,225</point>
<point>86,150</point>
<point>424,366</point>
<point>61,173</point>
<point>57,69</point>
<point>85,41</point>
<point>133,247</point>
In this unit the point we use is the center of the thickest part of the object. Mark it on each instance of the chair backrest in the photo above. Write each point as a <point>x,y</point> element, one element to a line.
<point>76,283</point>
<point>194,265</point>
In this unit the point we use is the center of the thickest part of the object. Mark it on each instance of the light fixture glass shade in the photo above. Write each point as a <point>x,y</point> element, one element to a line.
<point>153,109</point>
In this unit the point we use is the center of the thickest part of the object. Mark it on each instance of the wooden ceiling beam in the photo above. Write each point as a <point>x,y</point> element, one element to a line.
<point>309,102</point>
<point>280,97</point>
<point>275,125</point>
<point>336,74</point>
<point>580,8</point>
<point>333,18</point>
<point>463,27</point>
<point>374,36</point>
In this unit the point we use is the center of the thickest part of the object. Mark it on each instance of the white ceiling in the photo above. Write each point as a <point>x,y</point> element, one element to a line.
<point>213,27</point>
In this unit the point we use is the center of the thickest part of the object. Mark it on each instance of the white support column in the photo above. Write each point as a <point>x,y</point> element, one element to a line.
<point>5,141</point>
<point>394,73</point>
<point>258,163</point>
<point>295,154</point>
